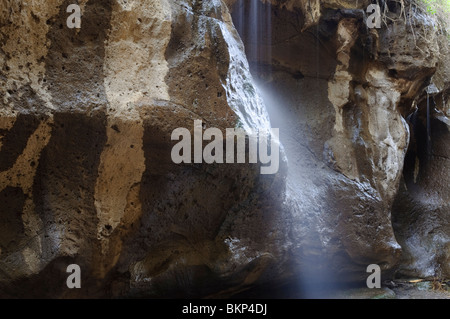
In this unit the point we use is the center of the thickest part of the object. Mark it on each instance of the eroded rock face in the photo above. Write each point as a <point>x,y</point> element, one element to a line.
<point>346,150</point>
<point>86,175</point>
<point>421,209</point>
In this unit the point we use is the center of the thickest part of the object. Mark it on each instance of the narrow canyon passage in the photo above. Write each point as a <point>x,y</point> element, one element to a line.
<point>89,116</point>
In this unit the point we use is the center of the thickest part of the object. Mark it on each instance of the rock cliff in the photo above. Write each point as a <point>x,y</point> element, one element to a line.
<point>86,175</point>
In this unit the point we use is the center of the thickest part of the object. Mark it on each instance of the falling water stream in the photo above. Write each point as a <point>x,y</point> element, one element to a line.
<point>254,21</point>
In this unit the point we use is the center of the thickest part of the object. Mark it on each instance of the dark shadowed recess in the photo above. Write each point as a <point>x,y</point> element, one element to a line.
<point>12,200</point>
<point>42,285</point>
<point>15,140</point>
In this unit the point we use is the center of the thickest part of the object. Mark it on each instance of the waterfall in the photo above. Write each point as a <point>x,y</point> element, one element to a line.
<point>242,94</point>
<point>253,21</point>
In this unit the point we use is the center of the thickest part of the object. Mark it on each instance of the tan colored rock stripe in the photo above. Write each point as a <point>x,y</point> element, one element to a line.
<point>134,67</point>
<point>6,123</point>
<point>27,43</point>
<point>22,175</point>
<point>339,87</point>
